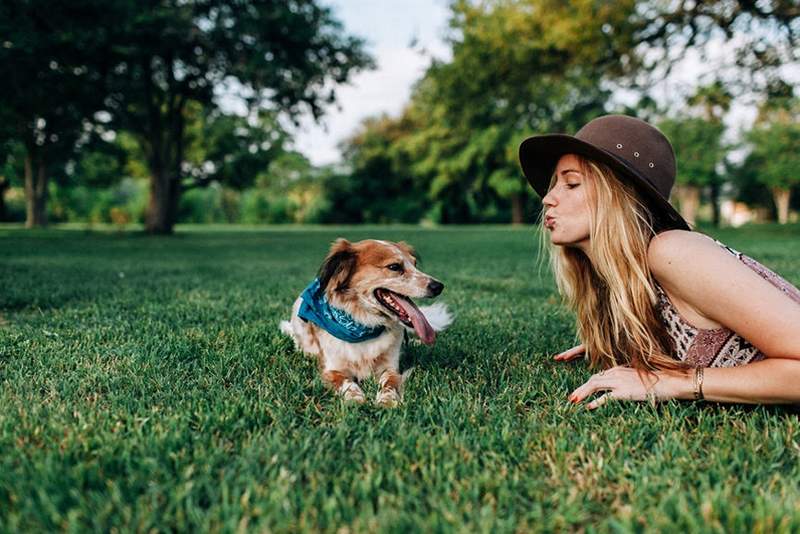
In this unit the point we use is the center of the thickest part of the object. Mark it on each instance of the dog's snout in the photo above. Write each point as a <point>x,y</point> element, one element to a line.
<point>435,287</point>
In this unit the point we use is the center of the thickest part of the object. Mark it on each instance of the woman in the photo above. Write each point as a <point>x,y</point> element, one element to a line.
<point>667,313</point>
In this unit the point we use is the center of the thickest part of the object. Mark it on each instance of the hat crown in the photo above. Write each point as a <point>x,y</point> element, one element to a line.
<point>636,143</point>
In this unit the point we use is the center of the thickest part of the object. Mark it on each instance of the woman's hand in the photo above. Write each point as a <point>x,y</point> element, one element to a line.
<point>571,354</point>
<point>625,383</point>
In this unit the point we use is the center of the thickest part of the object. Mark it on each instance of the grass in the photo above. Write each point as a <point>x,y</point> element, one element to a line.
<point>144,385</point>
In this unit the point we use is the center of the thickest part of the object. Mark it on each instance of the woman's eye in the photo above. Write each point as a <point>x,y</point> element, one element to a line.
<point>572,186</point>
<point>395,267</point>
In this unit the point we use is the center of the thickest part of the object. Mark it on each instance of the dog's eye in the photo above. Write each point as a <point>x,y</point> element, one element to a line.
<point>395,267</point>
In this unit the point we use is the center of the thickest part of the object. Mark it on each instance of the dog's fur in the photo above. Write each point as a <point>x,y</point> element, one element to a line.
<point>349,276</point>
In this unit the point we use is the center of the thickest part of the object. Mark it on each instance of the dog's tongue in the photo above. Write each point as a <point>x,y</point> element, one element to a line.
<point>421,325</point>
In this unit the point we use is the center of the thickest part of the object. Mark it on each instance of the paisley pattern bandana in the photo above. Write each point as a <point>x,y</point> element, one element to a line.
<point>336,322</point>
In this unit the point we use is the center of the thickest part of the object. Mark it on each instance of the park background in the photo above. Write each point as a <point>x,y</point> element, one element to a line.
<point>152,152</point>
<point>216,113</point>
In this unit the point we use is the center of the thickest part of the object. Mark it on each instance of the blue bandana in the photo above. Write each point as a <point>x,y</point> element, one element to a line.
<point>336,322</point>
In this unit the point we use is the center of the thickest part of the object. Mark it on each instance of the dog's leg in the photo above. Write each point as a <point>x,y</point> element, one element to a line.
<point>344,385</point>
<point>302,333</point>
<point>390,392</point>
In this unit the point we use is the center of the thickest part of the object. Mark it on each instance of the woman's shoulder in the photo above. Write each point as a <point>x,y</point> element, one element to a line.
<point>676,256</point>
<point>679,245</point>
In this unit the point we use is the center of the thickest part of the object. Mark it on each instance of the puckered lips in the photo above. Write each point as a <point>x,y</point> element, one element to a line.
<point>407,312</point>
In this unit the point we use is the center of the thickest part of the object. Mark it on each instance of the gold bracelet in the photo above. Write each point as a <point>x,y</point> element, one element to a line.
<point>700,376</point>
<point>697,381</point>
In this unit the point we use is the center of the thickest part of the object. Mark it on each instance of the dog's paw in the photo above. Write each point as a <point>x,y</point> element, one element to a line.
<point>351,392</point>
<point>388,397</point>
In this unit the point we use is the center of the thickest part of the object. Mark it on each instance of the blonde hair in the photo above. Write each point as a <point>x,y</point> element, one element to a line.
<point>613,295</point>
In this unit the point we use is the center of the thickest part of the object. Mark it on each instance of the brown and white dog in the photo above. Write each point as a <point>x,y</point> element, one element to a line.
<point>372,282</point>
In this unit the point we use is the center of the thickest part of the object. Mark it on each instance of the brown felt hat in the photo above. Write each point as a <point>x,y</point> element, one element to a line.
<point>637,152</point>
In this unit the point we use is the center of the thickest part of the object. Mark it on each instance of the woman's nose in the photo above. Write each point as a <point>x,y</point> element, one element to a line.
<point>549,199</point>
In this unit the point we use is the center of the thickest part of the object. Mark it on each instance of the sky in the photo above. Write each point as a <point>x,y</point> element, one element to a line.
<point>389,27</point>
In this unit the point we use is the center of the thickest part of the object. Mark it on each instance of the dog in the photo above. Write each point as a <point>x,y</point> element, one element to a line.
<point>354,316</point>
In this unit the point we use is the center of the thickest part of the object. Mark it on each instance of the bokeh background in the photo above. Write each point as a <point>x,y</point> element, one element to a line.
<point>145,114</point>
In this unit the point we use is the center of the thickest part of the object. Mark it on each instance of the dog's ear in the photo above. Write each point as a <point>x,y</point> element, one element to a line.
<point>339,266</point>
<point>408,249</point>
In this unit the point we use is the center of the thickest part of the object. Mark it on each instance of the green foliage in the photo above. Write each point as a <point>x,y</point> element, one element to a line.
<point>259,207</point>
<point>380,186</point>
<point>124,202</point>
<point>775,140</point>
<point>213,204</point>
<point>144,391</point>
<point>52,63</point>
<point>518,68</point>
<point>12,154</point>
<point>772,161</point>
<point>231,149</point>
<point>762,36</point>
<point>698,148</point>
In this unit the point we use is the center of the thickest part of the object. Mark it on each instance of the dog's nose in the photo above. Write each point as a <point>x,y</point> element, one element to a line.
<point>435,287</point>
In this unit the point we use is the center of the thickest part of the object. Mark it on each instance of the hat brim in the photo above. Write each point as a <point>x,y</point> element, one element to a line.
<point>538,156</point>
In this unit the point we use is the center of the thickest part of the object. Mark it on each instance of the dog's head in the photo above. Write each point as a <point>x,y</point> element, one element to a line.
<point>374,282</point>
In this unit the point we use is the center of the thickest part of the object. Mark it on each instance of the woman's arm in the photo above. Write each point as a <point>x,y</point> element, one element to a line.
<point>718,287</point>
<point>770,381</point>
<point>712,288</point>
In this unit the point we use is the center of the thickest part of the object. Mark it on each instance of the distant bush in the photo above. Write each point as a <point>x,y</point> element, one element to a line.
<point>261,207</point>
<point>15,204</point>
<point>94,205</point>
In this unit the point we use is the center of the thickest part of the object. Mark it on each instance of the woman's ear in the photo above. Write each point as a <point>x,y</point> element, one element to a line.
<point>338,267</point>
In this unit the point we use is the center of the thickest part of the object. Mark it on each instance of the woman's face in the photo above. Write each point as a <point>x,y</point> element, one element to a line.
<point>567,204</point>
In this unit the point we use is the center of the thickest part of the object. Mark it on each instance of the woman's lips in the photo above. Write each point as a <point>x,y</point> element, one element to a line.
<point>549,222</point>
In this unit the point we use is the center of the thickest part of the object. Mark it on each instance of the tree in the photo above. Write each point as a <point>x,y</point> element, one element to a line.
<point>713,101</point>
<point>230,149</point>
<point>698,152</point>
<point>51,63</point>
<point>519,67</point>
<point>288,54</point>
<point>765,36</point>
<point>774,139</point>
<point>380,186</point>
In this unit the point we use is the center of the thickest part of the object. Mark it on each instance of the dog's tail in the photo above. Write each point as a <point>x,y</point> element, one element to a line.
<point>437,315</point>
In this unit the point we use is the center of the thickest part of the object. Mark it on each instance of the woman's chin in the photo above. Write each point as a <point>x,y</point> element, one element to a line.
<point>557,239</point>
<point>564,241</point>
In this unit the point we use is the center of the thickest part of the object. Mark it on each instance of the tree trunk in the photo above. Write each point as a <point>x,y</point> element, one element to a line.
<point>35,188</point>
<point>517,208</point>
<point>715,212</point>
<point>782,197</point>
<point>165,157</point>
<point>689,200</point>
<point>162,206</point>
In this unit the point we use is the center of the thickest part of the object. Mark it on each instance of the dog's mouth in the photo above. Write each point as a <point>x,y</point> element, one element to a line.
<point>407,312</point>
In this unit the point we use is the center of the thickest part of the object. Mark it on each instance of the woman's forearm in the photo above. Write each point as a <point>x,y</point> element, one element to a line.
<point>769,381</point>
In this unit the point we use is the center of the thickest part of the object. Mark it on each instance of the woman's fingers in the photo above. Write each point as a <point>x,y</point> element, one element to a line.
<point>601,400</point>
<point>571,354</point>
<point>597,382</point>
<point>621,383</point>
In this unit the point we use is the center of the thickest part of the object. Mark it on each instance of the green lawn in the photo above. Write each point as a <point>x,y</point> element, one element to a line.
<point>144,385</point>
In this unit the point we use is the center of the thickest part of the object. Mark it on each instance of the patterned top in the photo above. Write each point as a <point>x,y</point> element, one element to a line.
<point>717,347</point>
